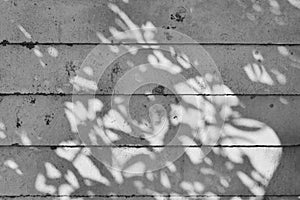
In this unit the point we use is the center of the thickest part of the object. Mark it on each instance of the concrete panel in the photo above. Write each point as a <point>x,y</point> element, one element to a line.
<point>22,70</point>
<point>205,21</point>
<point>37,171</point>
<point>226,146</point>
<point>41,120</point>
<point>130,197</point>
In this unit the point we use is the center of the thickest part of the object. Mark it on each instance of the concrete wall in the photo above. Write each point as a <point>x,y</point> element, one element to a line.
<point>45,44</point>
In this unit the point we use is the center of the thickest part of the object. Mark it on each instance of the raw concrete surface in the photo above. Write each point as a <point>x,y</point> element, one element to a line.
<point>33,163</point>
<point>205,21</point>
<point>42,117</point>
<point>43,46</point>
<point>21,71</point>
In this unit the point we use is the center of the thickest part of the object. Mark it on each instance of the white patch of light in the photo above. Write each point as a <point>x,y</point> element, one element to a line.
<point>80,83</point>
<point>14,166</point>
<point>51,171</point>
<point>250,184</point>
<point>71,178</point>
<point>283,51</point>
<point>26,34</point>
<point>24,138</point>
<point>41,186</point>
<point>87,169</point>
<point>88,70</point>
<point>171,166</point>
<point>164,180</point>
<point>258,74</point>
<point>295,3</point>
<point>52,52</point>
<point>137,168</point>
<point>158,60</point>
<point>275,8</point>
<point>64,191</point>
<point>2,129</point>
<point>67,152</point>
<point>115,120</point>
<point>279,76</point>
<point>195,154</point>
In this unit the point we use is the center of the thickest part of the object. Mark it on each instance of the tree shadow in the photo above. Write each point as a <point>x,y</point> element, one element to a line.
<point>214,146</point>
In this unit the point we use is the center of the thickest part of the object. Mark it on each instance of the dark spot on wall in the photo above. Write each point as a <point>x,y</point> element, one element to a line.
<point>28,45</point>
<point>31,99</point>
<point>53,147</point>
<point>4,42</point>
<point>169,27</point>
<point>271,105</point>
<point>49,118</point>
<point>252,97</point>
<point>158,90</point>
<point>179,14</point>
<point>71,68</point>
<point>116,70</point>
<point>18,123</point>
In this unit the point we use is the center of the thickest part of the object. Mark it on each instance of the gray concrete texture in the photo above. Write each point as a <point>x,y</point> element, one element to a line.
<point>35,85</point>
<point>213,21</point>
<point>44,121</point>
<point>32,162</point>
<point>21,71</point>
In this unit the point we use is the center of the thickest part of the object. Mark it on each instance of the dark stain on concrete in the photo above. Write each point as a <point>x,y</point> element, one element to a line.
<point>48,118</point>
<point>31,99</point>
<point>179,15</point>
<point>116,70</point>
<point>71,68</point>
<point>29,45</point>
<point>19,122</point>
<point>158,90</point>
<point>169,27</point>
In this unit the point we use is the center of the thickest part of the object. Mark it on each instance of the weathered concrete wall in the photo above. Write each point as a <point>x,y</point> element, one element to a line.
<point>20,65</point>
<point>40,156</point>
<point>44,122</point>
<point>215,21</point>
<point>33,163</point>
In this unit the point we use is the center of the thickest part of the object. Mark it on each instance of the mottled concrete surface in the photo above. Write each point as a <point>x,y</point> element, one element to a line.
<point>21,71</point>
<point>33,163</point>
<point>255,46</point>
<point>43,120</point>
<point>204,21</point>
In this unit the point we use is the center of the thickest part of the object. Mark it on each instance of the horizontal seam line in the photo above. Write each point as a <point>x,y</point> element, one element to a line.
<point>158,195</point>
<point>150,146</point>
<point>4,43</point>
<point>69,94</point>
